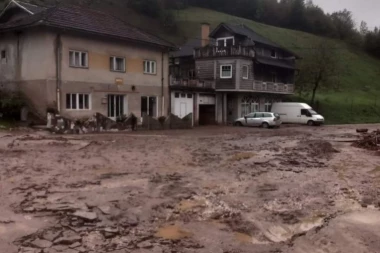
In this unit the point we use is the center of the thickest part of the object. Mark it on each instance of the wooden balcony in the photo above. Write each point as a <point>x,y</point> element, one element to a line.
<point>273,87</point>
<point>195,84</point>
<point>233,51</point>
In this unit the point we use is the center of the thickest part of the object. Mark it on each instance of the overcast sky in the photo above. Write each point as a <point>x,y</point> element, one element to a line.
<point>367,10</point>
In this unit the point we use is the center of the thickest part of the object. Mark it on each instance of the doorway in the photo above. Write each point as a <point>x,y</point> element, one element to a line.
<point>115,106</point>
<point>149,106</point>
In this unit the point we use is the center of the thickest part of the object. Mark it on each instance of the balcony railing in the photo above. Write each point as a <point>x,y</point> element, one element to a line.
<point>273,87</point>
<point>206,52</point>
<point>192,83</point>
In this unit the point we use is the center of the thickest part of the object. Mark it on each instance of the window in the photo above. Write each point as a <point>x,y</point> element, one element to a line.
<point>115,106</point>
<point>149,106</point>
<point>273,53</point>
<point>226,71</point>
<point>268,106</point>
<point>149,67</point>
<point>189,95</point>
<point>192,74</point>
<point>117,64</point>
<point>245,73</point>
<point>225,42</point>
<point>77,101</point>
<point>249,105</point>
<point>3,56</point>
<point>267,115</point>
<point>305,112</point>
<point>183,95</point>
<point>78,59</point>
<point>176,95</point>
<point>259,115</point>
<point>250,116</point>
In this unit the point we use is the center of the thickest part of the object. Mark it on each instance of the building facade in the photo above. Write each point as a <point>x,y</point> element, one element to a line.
<point>246,71</point>
<point>80,61</point>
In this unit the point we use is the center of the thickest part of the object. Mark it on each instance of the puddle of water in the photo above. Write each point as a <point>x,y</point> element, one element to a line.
<point>172,232</point>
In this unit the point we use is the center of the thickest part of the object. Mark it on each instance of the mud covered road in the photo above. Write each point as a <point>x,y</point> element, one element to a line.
<point>207,190</point>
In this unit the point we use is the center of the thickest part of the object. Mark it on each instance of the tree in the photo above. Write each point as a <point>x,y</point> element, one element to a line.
<point>320,69</point>
<point>363,28</point>
<point>344,24</point>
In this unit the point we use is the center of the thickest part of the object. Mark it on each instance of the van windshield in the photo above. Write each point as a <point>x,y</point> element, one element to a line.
<point>312,112</point>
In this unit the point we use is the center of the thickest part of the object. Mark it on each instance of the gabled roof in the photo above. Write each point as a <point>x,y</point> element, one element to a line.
<point>244,30</point>
<point>27,7</point>
<point>86,20</point>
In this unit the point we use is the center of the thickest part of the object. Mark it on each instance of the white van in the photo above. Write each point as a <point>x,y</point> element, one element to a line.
<point>297,113</point>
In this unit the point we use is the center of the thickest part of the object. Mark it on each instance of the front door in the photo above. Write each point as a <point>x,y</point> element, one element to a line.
<point>115,106</point>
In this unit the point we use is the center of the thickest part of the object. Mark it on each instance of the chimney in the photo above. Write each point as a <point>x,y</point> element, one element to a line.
<point>205,32</point>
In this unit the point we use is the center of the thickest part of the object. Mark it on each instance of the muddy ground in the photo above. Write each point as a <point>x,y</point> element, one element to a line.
<point>214,189</point>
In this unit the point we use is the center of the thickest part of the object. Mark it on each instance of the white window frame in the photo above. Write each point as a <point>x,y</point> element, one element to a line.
<point>72,61</point>
<point>221,71</point>
<point>152,65</point>
<point>113,65</point>
<point>77,102</point>
<point>245,77</point>
<point>225,40</point>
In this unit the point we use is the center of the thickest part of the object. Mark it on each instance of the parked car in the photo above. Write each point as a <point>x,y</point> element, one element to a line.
<point>298,113</point>
<point>260,119</point>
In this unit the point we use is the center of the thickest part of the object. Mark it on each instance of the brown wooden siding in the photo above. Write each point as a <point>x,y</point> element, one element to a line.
<point>229,83</point>
<point>205,69</point>
<point>246,84</point>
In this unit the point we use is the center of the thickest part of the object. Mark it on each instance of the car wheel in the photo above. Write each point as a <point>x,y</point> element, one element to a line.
<point>239,124</point>
<point>310,123</point>
<point>265,125</point>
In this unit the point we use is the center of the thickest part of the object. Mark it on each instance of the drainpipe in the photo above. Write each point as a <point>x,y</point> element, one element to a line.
<point>58,58</point>
<point>162,85</point>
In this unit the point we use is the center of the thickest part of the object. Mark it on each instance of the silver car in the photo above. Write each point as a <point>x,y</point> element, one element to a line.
<point>260,119</point>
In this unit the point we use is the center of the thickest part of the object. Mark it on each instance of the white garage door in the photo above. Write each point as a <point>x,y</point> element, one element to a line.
<point>182,104</point>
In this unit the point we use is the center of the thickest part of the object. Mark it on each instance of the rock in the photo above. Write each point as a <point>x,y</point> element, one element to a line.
<point>90,216</point>
<point>145,245</point>
<point>105,209</point>
<point>75,245</point>
<point>68,240</point>
<point>38,243</point>
<point>51,235</point>
<point>111,230</point>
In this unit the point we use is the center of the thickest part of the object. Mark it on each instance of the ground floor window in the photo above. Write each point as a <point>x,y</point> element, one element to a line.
<point>249,105</point>
<point>268,106</point>
<point>77,101</point>
<point>149,106</point>
<point>115,106</point>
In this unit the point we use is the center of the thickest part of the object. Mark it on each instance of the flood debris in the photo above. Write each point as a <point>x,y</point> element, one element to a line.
<point>369,141</point>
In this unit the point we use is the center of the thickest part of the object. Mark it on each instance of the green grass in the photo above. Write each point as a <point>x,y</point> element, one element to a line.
<point>356,100</point>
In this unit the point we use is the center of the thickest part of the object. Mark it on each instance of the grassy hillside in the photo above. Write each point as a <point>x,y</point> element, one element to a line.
<point>357,100</point>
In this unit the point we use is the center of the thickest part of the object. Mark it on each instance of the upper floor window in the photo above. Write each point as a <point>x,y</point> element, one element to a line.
<point>150,67</point>
<point>78,59</point>
<point>225,42</point>
<point>117,64</point>
<point>273,53</point>
<point>226,71</point>
<point>3,56</point>
<point>245,73</point>
<point>77,101</point>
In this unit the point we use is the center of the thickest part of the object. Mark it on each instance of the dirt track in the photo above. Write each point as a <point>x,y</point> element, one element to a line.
<point>227,190</point>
